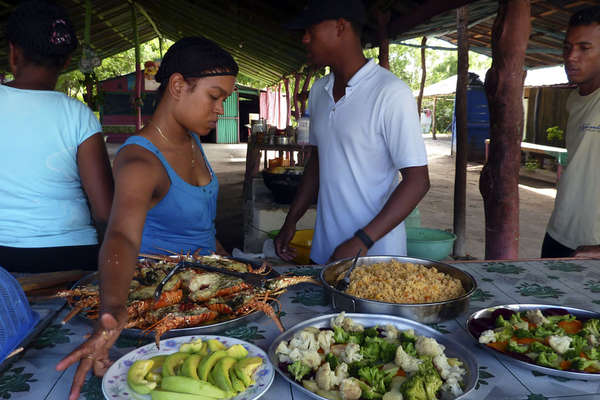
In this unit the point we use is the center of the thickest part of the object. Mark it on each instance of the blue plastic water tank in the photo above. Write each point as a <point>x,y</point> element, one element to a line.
<point>478,123</point>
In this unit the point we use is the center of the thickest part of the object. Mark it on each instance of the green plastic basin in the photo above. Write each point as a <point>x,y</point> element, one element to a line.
<point>431,244</point>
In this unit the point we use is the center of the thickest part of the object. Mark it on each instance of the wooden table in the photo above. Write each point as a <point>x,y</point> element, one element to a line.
<point>566,282</point>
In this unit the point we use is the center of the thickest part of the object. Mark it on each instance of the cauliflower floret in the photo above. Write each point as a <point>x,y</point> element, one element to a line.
<point>390,332</point>
<point>428,347</point>
<point>560,344</point>
<point>451,387</point>
<point>406,361</point>
<point>446,370</point>
<point>536,317</point>
<point>592,340</point>
<point>338,320</point>
<point>350,326</point>
<point>392,396</point>
<point>324,377</point>
<point>350,389</point>
<point>488,336</point>
<point>304,340</point>
<point>341,373</point>
<point>312,358</point>
<point>312,329</point>
<point>522,325</point>
<point>295,355</point>
<point>325,340</point>
<point>351,353</point>
<point>283,352</point>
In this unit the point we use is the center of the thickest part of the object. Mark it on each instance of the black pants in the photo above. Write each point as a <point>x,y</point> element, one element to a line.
<point>552,249</point>
<point>49,259</point>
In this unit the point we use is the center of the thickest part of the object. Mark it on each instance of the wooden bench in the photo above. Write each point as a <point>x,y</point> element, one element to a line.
<point>559,153</point>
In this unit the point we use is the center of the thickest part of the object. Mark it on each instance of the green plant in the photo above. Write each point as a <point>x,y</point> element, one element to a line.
<point>532,164</point>
<point>554,134</point>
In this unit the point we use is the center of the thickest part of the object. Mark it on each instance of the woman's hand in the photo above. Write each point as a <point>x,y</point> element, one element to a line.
<point>93,353</point>
<point>282,241</point>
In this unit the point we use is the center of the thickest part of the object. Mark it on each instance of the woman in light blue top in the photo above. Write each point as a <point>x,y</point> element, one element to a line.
<point>53,161</point>
<point>165,191</point>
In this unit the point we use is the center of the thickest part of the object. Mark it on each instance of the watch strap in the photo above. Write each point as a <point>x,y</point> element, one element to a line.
<point>362,235</point>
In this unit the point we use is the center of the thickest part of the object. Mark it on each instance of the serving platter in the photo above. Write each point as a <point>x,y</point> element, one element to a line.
<point>481,320</point>
<point>453,349</point>
<point>427,313</point>
<point>215,326</point>
<point>114,382</point>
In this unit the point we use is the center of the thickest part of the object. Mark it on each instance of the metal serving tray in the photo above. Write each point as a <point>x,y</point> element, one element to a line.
<point>426,313</point>
<point>486,312</point>
<point>452,349</point>
<point>210,327</point>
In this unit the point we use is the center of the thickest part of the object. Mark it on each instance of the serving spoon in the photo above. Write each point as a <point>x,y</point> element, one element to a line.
<point>343,283</point>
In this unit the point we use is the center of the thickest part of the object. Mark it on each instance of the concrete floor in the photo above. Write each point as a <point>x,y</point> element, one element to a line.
<point>536,198</point>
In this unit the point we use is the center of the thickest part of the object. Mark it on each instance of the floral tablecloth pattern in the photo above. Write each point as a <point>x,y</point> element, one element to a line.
<point>574,283</point>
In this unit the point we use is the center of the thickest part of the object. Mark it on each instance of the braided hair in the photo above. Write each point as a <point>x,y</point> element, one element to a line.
<point>43,31</point>
<point>194,57</point>
<point>587,16</point>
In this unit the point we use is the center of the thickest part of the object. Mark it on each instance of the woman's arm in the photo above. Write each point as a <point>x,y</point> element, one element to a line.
<point>96,179</point>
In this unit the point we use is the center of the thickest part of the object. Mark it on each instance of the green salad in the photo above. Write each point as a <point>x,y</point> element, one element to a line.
<point>350,362</point>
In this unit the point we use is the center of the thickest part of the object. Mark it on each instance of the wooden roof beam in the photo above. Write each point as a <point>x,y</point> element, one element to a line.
<point>108,23</point>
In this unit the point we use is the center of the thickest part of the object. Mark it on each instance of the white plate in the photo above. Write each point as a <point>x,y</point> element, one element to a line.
<point>453,349</point>
<point>114,383</point>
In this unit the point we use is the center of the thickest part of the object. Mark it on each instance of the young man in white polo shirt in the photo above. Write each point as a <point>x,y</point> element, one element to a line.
<point>574,228</point>
<point>365,127</point>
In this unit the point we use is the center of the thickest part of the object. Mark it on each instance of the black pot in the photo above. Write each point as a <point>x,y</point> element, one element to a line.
<point>282,186</point>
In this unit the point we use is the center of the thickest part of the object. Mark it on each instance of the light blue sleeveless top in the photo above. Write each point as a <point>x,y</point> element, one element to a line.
<point>184,220</point>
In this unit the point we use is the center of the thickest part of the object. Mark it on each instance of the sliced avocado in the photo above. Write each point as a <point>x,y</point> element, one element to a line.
<point>237,351</point>
<point>245,368</point>
<point>214,345</point>
<point>194,346</point>
<point>208,363</point>
<point>173,363</point>
<point>220,373</point>
<point>136,377</point>
<point>190,366</point>
<point>159,394</point>
<point>184,384</point>
<point>158,363</point>
<point>236,383</point>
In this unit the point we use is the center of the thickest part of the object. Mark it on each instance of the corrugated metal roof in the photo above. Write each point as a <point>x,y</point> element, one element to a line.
<point>252,29</point>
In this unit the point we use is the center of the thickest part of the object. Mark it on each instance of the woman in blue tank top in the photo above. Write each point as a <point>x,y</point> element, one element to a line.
<point>165,191</point>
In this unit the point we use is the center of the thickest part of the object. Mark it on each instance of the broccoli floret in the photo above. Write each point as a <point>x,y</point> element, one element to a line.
<point>299,369</point>
<point>413,388</point>
<point>406,336</point>
<point>409,348</point>
<point>368,392</point>
<point>374,377</point>
<point>592,327</point>
<point>538,347</point>
<point>553,319</point>
<point>516,347</point>
<point>340,335</point>
<point>371,332</point>
<point>370,351</point>
<point>501,322</point>
<point>515,318</point>
<point>354,367</point>
<point>387,351</point>
<point>548,359</point>
<point>355,337</point>
<point>580,364</point>
<point>578,343</point>
<point>548,330</point>
<point>570,354</point>
<point>432,382</point>
<point>523,333</point>
<point>332,360</point>
<point>593,353</point>
<point>505,334</point>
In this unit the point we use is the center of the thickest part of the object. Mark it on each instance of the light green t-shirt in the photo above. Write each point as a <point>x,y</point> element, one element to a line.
<point>575,220</point>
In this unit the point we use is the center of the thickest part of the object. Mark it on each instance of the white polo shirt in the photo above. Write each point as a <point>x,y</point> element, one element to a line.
<point>363,140</point>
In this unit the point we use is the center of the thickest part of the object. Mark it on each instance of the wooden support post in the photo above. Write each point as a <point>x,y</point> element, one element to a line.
<point>460,180</point>
<point>87,33</point>
<point>383,21</point>
<point>288,98</point>
<point>295,98</point>
<point>138,70</point>
<point>304,92</point>
<point>433,124</point>
<point>423,74</point>
<point>504,89</point>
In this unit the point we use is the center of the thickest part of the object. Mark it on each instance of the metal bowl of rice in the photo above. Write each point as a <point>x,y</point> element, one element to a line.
<point>421,290</point>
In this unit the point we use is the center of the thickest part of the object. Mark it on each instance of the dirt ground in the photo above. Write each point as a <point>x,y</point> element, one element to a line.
<point>536,198</point>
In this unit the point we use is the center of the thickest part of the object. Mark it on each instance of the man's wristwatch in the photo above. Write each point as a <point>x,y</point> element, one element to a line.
<point>362,235</point>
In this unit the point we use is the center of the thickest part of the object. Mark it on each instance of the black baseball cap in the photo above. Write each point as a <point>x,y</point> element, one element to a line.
<point>320,10</point>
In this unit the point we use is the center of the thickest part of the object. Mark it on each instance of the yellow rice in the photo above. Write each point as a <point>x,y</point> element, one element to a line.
<point>395,282</point>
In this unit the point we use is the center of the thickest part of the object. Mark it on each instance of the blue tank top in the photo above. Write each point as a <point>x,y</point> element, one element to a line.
<point>184,220</point>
